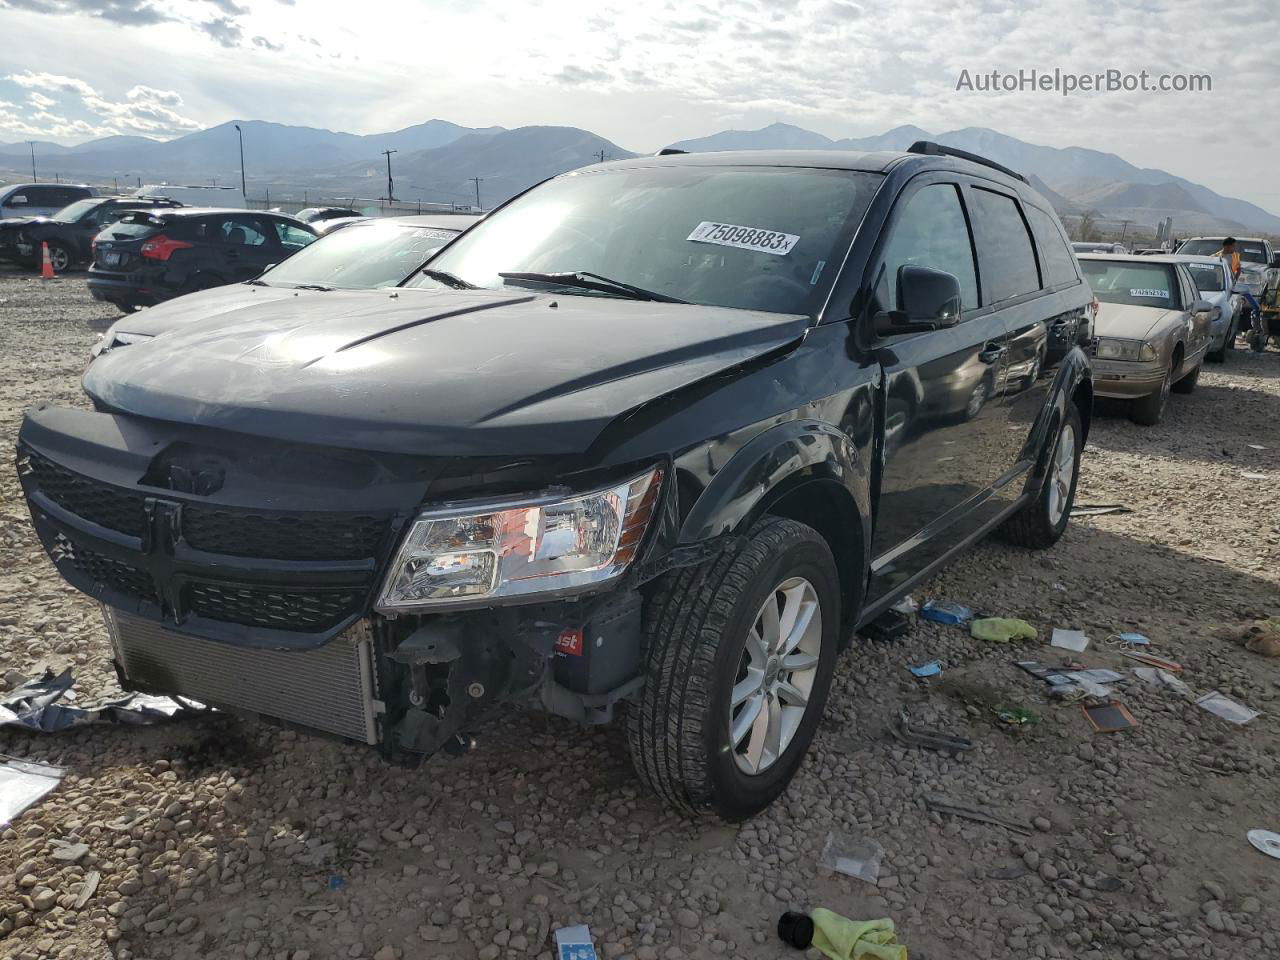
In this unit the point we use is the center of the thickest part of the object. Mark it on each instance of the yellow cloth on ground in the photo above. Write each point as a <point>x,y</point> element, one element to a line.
<point>1002,629</point>
<point>843,939</point>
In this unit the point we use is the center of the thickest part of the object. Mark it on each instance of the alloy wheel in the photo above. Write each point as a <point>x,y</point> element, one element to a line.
<point>1061,472</point>
<point>775,675</point>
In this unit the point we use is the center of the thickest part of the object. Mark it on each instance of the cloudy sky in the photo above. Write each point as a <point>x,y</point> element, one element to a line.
<point>646,74</point>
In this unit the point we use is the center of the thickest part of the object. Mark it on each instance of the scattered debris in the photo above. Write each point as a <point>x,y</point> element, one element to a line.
<point>1098,509</point>
<point>1151,660</point>
<point>944,611</point>
<point>931,669</point>
<point>1259,636</point>
<point>35,705</point>
<point>336,881</point>
<point>1254,476</point>
<point>1016,716</point>
<point>906,606</point>
<point>1155,677</point>
<point>929,739</point>
<point>976,814</point>
<point>839,938</point>
<point>1220,705</point>
<point>88,887</point>
<point>574,943</point>
<point>854,857</point>
<point>1128,640</point>
<point>1001,629</point>
<point>1266,841</point>
<point>1255,446</point>
<point>1075,640</point>
<point>887,627</point>
<point>22,783</point>
<point>1108,716</point>
<point>1009,873</point>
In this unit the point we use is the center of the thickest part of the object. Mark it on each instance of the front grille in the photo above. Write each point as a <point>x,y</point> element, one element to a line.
<point>96,502</point>
<point>327,688</point>
<point>116,575</point>
<point>280,609</point>
<point>312,536</point>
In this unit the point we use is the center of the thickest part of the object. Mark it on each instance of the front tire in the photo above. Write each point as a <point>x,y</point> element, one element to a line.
<point>1041,522</point>
<point>1149,410</point>
<point>1228,344</point>
<point>59,258</point>
<point>1188,383</point>
<point>741,650</point>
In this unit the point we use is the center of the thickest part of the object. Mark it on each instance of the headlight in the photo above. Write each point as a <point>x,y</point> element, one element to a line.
<point>1110,348</point>
<point>109,341</point>
<point>515,549</point>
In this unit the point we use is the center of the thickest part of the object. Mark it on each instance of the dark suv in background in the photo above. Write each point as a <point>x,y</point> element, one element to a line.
<point>151,256</point>
<point>70,232</point>
<point>660,433</point>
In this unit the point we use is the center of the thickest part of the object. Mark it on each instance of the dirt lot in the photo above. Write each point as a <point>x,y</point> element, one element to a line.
<point>214,838</point>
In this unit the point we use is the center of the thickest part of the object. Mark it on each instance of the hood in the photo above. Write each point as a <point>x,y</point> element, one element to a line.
<point>1131,322</point>
<point>430,372</point>
<point>8,223</point>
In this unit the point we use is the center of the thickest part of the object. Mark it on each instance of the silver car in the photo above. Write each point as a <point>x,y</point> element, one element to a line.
<point>1151,333</point>
<point>1212,277</point>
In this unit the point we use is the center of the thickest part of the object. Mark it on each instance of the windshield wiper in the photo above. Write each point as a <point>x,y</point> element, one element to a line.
<point>311,286</point>
<point>593,281</point>
<point>448,279</point>
<point>257,283</point>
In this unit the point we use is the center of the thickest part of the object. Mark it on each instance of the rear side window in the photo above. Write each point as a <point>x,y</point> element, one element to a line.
<point>1207,277</point>
<point>133,225</point>
<point>931,231</point>
<point>1057,261</point>
<point>1004,248</point>
<point>244,231</point>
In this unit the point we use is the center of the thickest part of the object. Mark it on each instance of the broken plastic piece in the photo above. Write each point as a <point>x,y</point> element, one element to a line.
<point>929,739</point>
<point>906,606</point>
<point>1155,677</point>
<point>1221,705</point>
<point>1098,509</point>
<point>1076,640</point>
<point>1266,841</point>
<point>1109,717</point>
<point>1151,660</point>
<point>931,669</point>
<point>977,814</point>
<point>574,943</point>
<point>22,783</point>
<point>35,705</point>
<point>854,857</point>
<point>943,611</point>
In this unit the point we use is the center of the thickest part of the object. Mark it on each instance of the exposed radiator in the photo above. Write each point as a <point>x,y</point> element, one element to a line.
<point>329,688</point>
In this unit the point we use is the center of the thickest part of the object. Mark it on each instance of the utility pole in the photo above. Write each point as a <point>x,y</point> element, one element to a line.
<point>391,190</point>
<point>1124,228</point>
<point>477,181</point>
<point>600,155</point>
<point>32,145</point>
<point>115,185</point>
<point>244,192</point>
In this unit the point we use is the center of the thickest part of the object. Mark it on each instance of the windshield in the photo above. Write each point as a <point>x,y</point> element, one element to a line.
<point>1208,277</point>
<point>72,213</point>
<point>1135,283</point>
<point>132,225</point>
<point>756,238</point>
<point>1251,251</point>
<point>361,256</point>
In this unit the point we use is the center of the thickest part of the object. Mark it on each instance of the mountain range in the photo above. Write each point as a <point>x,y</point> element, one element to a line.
<point>439,160</point>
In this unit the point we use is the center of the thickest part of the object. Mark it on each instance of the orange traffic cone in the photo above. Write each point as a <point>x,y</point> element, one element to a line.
<point>46,266</point>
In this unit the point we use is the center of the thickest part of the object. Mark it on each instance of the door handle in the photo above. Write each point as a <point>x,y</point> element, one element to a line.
<point>992,352</point>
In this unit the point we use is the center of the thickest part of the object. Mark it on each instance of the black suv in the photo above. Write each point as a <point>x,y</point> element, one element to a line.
<point>70,232</point>
<point>663,432</point>
<point>151,256</point>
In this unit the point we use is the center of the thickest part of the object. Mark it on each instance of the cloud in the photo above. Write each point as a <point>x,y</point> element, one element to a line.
<point>576,76</point>
<point>224,30</point>
<point>144,110</point>
<point>266,44</point>
<point>230,8</point>
<point>50,81</point>
<point>40,100</point>
<point>130,12</point>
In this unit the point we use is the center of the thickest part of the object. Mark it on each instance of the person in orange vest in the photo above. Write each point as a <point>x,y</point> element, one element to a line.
<point>1232,256</point>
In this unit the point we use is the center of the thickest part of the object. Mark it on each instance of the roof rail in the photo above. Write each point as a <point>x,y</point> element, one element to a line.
<point>670,151</point>
<point>930,149</point>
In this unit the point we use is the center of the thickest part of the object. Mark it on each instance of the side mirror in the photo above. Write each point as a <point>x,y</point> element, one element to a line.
<point>930,300</point>
<point>1201,307</point>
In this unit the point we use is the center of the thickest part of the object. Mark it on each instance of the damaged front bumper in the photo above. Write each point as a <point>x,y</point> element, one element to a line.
<point>213,591</point>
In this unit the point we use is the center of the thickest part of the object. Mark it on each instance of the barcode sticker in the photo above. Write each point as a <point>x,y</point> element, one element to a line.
<point>1146,292</point>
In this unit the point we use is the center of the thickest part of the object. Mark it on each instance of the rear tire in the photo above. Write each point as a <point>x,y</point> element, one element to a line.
<point>59,258</point>
<point>1188,383</point>
<point>1041,523</point>
<point>704,630</point>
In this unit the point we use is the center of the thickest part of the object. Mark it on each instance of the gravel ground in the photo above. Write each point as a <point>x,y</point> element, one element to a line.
<point>216,838</point>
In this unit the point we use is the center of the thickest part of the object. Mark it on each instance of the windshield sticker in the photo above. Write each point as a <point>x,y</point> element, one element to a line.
<point>744,238</point>
<point>1160,294</point>
<point>434,234</point>
<point>817,272</point>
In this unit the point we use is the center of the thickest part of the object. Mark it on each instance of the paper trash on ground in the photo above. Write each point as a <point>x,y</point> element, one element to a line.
<point>854,857</point>
<point>1075,640</point>
<point>22,783</point>
<point>574,943</point>
<point>1223,706</point>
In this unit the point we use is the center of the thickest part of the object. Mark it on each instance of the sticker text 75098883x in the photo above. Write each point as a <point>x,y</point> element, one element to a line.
<point>744,238</point>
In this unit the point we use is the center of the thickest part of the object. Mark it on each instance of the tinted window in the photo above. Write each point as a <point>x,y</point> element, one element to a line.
<point>757,238</point>
<point>292,238</point>
<point>362,256</point>
<point>1005,251</point>
<point>242,231</point>
<point>132,225</point>
<point>1207,277</point>
<point>1133,282</point>
<point>1058,263</point>
<point>931,231</point>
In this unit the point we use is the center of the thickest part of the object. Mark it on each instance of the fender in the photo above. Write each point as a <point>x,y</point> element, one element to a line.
<point>1072,372</point>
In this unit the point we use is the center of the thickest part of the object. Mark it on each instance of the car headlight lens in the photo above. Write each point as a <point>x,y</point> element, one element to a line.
<point>111,340</point>
<point>517,549</point>
<point>1109,348</point>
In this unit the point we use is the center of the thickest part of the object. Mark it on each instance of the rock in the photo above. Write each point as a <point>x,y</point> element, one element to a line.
<point>687,918</point>
<point>462,909</point>
<point>391,953</point>
<point>1032,859</point>
<point>69,852</point>
<point>1250,905</point>
<point>490,952</point>
<point>1042,824</point>
<point>42,898</point>
<point>505,826</point>
<point>1048,872</point>
<point>1214,889</point>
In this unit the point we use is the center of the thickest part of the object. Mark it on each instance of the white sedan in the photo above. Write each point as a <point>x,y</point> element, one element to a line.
<point>1211,276</point>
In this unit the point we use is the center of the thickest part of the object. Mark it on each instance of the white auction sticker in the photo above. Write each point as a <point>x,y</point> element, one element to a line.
<point>1160,294</point>
<point>424,234</point>
<point>744,238</point>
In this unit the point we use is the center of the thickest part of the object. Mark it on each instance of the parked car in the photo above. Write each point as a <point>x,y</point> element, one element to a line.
<point>326,227</point>
<point>372,254</point>
<point>151,256</point>
<point>196,194</point>
<point>1152,330</point>
<point>1150,251</point>
<point>622,442</point>
<point>69,232</point>
<point>39,199</point>
<point>1080,247</point>
<point>320,214</point>
<point>1212,279</point>
<point>1258,264</point>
